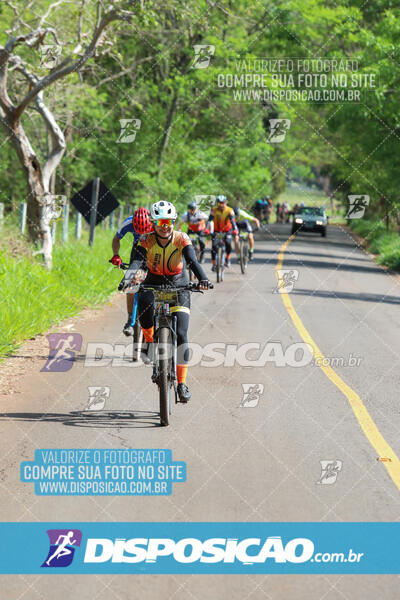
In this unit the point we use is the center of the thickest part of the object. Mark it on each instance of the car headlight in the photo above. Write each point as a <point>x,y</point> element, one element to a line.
<point>298,220</point>
<point>319,222</point>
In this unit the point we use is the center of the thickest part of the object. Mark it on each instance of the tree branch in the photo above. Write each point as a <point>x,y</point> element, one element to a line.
<point>58,145</point>
<point>17,16</point>
<point>54,5</point>
<point>64,69</point>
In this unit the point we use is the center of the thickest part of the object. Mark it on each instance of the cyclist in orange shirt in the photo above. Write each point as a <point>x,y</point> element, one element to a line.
<point>163,252</point>
<point>196,221</point>
<point>222,219</point>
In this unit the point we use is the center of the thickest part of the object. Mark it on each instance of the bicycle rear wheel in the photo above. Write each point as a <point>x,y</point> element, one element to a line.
<point>244,256</point>
<point>220,265</point>
<point>164,383</point>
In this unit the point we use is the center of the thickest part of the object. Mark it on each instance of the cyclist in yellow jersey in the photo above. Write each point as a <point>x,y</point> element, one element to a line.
<point>162,251</point>
<point>222,219</point>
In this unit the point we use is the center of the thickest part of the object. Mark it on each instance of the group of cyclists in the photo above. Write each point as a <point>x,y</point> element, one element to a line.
<point>263,208</point>
<point>160,251</point>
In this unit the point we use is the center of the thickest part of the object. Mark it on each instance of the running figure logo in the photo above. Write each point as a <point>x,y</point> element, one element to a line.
<point>62,547</point>
<point>329,471</point>
<point>205,201</point>
<point>49,55</point>
<point>129,129</point>
<point>286,280</point>
<point>203,54</point>
<point>251,394</point>
<point>62,351</point>
<point>97,397</point>
<point>357,206</point>
<point>278,130</point>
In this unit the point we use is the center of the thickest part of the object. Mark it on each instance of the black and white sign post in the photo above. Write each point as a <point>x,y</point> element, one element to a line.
<point>94,202</point>
<point>93,208</point>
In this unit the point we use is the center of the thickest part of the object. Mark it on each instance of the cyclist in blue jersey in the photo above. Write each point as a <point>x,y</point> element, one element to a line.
<point>136,224</point>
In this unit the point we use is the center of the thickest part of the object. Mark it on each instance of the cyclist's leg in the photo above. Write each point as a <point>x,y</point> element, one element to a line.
<point>249,230</point>
<point>213,249</point>
<point>146,315</point>
<point>228,248</point>
<point>182,324</point>
<point>202,244</point>
<point>128,329</point>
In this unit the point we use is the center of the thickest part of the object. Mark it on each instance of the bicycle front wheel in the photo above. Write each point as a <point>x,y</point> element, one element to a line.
<point>164,364</point>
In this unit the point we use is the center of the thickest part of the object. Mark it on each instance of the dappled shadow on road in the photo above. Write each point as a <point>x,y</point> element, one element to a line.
<point>334,266</point>
<point>352,256</point>
<point>94,419</point>
<point>362,297</point>
<point>291,261</point>
<point>281,233</point>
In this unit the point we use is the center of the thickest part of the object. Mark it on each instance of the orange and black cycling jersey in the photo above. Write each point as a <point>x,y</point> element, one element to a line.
<point>166,260</point>
<point>224,220</point>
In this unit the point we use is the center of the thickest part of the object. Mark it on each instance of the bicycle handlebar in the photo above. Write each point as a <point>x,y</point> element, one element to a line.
<point>191,287</point>
<point>124,266</point>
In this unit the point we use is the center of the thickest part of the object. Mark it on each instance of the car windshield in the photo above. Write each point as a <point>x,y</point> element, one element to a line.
<point>312,210</point>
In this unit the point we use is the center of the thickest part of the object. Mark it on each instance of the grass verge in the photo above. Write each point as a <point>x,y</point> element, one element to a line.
<point>386,244</point>
<point>34,299</point>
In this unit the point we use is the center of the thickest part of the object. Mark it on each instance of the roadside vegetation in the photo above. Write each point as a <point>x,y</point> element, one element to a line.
<point>33,299</point>
<point>378,240</point>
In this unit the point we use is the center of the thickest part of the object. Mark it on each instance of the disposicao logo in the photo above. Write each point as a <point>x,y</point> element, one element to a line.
<point>189,550</point>
<point>62,547</point>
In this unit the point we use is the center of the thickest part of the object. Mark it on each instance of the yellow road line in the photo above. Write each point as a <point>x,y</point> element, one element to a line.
<point>371,431</point>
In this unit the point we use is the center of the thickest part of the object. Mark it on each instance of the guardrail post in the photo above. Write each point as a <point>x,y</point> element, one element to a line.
<point>120,215</point>
<point>78,225</point>
<point>93,209</point>
<point>65,222</point>
<point>53,231</point>
<point>111,220</point>
<point>22,216</point>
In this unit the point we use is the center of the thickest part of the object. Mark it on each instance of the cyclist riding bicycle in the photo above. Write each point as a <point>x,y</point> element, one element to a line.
<point>196,221</point>
<point>262,208</point>
<point>242,222</point>
<point>136,224</point>
<point>163,251</point>
<point>222,219</point>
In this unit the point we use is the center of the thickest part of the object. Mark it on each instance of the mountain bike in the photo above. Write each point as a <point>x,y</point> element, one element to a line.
<point>165,344</point>
<point>221,253</point>
<point>244,250</point>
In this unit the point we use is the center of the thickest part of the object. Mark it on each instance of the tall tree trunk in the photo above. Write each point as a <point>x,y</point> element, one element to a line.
<point>40,208</point>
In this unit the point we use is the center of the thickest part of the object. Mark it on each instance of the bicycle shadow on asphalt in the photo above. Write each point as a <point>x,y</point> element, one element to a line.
<point>138,419</point>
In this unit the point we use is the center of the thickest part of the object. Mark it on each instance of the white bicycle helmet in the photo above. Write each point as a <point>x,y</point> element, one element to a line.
<point>162,210</point>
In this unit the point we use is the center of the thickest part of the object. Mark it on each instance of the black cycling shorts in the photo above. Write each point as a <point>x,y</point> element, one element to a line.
<point>244,226</point>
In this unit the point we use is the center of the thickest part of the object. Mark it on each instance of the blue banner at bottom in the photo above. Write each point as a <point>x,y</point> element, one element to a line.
<point>209,548</point>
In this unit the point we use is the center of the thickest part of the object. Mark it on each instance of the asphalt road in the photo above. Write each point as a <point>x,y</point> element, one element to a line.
<point>244,463</point>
